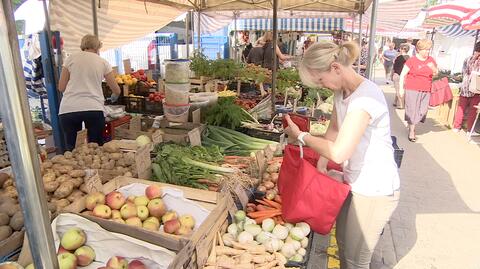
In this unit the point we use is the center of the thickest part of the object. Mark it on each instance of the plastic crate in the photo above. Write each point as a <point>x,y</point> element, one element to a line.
<point>398,152</point>
<point>153,107</point>
<point>134,104</point>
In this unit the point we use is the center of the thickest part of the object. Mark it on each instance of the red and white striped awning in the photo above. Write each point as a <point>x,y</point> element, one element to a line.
<point>467,13</point>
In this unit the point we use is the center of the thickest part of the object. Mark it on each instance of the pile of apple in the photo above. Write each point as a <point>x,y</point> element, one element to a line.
<point>73,253</point>
<point>147,211</point>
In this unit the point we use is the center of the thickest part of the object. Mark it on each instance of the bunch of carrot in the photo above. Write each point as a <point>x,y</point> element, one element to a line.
<point>265,209</point>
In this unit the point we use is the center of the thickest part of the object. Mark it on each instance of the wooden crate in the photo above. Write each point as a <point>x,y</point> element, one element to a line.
<point>199,82</point>
<point>192,251</point>
<point>452,110</point>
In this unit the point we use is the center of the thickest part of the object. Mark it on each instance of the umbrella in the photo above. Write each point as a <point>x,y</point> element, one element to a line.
<point>467,13</point>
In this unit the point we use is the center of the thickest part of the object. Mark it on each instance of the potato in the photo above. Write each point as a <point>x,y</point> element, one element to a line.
<point>120,169</point>
<point>10,191</point>
<point>111,147</point>
<point>49,176</point>
<point>6,199</point>
<point>115,156</point>
<point>104,158</point>
<point>77,181</point>
<point>65,169</point>
<point>96,165</point>
<point>128,174</point>
<point>61,204</point>
<point>83,188</point>
<point>92,145</point>
<point>68,155</point>
<point>77,173</point>
<point>3,177</point>
<point>51,186</point>
<point>5,232</point>
<point>8,208</point>
<point>120,162</point>
<point>57,159</point>
<point>81,164</point>
<point>16,222</point>
<point>75,152</point>
<point>7,183</point>
<point>76,194</point>
<point>64,190</point>
<point>4,219</point>
<point>63,178</point>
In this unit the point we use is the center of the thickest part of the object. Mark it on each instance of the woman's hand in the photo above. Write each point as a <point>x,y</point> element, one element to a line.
<point>292,130</point>
<point>322,165</point>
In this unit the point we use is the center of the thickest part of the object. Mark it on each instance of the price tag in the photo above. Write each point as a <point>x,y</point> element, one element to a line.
<point>143,162</point>
<point>260,155</point>
<point>241,194</point>
<point>269,152</point>
<point>81,138</point>
<point>136,124</point>
<point>194,137</point>
<point>157,137</point>
<point>94,183</point>
<point>196,116</point>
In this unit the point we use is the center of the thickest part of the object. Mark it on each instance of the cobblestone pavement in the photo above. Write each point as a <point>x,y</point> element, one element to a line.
<point>436,224</point>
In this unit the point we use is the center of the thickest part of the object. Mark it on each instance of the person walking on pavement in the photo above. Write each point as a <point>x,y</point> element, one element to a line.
<point>359,138</point>
<point>416,84</point>
<point>468,99</point>
<point>388,57</point>
<point>411,51</point>
<point>397,70</point>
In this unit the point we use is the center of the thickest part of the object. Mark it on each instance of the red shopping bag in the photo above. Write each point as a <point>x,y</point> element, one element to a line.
<point>441,92</point>
<point>308,195</point>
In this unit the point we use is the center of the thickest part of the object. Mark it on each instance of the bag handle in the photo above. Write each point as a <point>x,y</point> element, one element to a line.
<point>301,150</point>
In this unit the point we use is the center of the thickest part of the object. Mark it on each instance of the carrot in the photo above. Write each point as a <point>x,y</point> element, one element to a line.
<point>272,203</point>
<point>259,220</point>
<point>262,202</point>
<point>251,205</point>
<point>263,208</point>
<point>270,213</point>
<point>280,220</point>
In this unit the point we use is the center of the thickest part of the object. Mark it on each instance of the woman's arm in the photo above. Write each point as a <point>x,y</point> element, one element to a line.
<point>281,56</point>
<point>64,78</point>
<point>330,135</point>
<point>348,137</point>
<point>403,75</point>
<point>110,78</point>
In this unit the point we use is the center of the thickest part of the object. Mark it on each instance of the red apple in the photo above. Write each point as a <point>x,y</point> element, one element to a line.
<point>136,264</point>
<point>94,199</point>
<point>171,226</point>
<point>153,191</point>
<point>156,207</point>
<point>117,262</point>
<point>115,200</point>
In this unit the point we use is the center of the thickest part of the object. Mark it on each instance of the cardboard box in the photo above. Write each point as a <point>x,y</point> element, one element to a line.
<point>219,205</point>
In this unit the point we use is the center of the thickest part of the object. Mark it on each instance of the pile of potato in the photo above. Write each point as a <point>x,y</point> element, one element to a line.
<point>64,178</point>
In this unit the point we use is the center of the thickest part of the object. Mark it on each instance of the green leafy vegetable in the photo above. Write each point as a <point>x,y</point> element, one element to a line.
<point>227,114</point>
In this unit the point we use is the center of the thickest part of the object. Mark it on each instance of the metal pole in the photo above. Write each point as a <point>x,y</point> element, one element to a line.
<point>235,37</point>
<point>274,44</point>
<point>21,144</point>
<point>371,41</point>
<point>49,34</point>
<point>187,33</point>
<point>360,37</point>
<point>353,26</point>
<point>94,15</point>
<point>199,43</point>
<point>476,40</point>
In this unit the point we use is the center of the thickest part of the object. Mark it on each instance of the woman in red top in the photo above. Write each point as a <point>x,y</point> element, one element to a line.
<point>416,83</point>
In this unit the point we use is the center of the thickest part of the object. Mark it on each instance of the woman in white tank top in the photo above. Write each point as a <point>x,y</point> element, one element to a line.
<point>358,137</point>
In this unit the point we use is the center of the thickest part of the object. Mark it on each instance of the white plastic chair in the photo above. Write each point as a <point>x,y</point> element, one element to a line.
<point>469,136</point>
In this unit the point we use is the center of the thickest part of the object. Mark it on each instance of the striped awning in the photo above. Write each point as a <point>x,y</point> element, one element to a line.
<point>455,30</point>
<point>301,25</point>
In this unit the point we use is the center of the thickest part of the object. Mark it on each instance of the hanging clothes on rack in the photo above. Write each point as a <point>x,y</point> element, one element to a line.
<point>32,65</point>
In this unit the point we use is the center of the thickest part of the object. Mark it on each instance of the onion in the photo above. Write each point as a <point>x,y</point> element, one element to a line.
<point>143,140</point>
<point>269,185</point>
<point>262,188</point>
<point>266,176</point>
<point>274,177</point>
<point>270,195</point>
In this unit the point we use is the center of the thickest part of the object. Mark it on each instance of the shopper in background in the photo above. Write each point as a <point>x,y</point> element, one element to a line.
<point>358,137</point>
<point>83,100</point>
<point>397,70</point>
<point>268,52</point>
<point>388,57</point>
<point>415,85</point>
<point>255,56</point>
<point>363,58</point>
<point>412,50</point>
<point>468,99</point>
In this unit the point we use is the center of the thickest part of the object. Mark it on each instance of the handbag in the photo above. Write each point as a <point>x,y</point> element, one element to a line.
<point>308,195</point>
<point>474,86</point>
<point>441,92</point>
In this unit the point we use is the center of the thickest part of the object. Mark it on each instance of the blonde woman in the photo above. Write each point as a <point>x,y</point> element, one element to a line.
<point>359,138</point>
<point>416,85</point>
<point>83,100</point>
